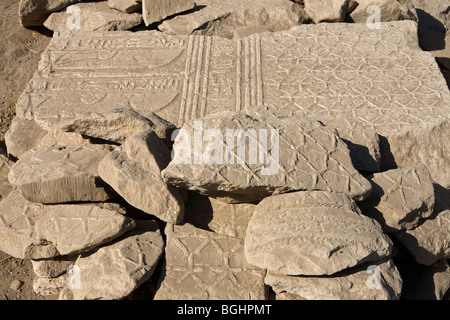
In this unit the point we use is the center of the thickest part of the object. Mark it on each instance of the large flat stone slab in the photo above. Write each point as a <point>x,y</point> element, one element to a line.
<point>324,70</point>
<point>204,265</point>
<point>312,233</point>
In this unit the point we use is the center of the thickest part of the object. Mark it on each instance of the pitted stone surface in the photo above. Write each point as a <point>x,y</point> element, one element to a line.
<point>93,16</point>
<point>325,70</point>
<point>204,265</point>
<point>34,231</point>
<point>377,281</point>
<point>301,154</point>
<point>312,233</point>
<point>133,170</point>
<point>58,174</point>
<point>223,17</point>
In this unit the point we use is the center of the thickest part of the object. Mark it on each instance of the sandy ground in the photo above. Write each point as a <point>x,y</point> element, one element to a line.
<point>20,51</point>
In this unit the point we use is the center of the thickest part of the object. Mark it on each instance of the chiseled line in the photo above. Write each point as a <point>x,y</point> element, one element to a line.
<point>198,76</point>
<point>238,74</point>
<point>259,79</point>
<point>206,76</point>
<point>186,81</point>
<point>247,73</point>
<point>191,87</point>
<point>253,84</point>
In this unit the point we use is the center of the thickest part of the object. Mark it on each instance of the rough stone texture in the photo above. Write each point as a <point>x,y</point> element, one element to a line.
<point>52,268</point>
<point>57,137</point>
<point>400,198</point>
<point>5,185</point>
<point>50,286</point>
<point>221,18</point>
<point>323,70</point>
<point>306,156</point>
<point>34,12</point>
<point>381,282</point>
<point>128,6</point>
<point>157,10</point>
<point>59,174</point>
<point>390,10</point>
<point>34,231</point>
<point>326,10</point>
<point>246,31</point>
<point>428,146</point>
<point>204,265</point>
<point>93,16</point>
<point>312,233</point>
<point>116,269</point>
<point>118,124</point>
<point>134,171</point>
<point>218,216</point>
<point>430,241</point>
<point>22,136</point>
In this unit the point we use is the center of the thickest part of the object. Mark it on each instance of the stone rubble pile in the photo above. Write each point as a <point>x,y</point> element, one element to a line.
<point>119,171</point>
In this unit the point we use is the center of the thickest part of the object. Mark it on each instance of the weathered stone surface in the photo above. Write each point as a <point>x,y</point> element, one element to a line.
<point>312,233</point>
<point>390,10</point>
<point>59,174</point>
<point>323,71</point>
<point>50,286</point>
<point>128,6</point>
<point>5,185</point>
<point>158,10</point>
<point>93,16</point>
<point>428,146</point>
<point>22,136</point>
<point>400,198</point>
<point>33,13</point>
<point>57,137</point>
<point>303,155</point>
<point>430,241</point>
<point>116,269</point>
<point>204,265</point>
<point>377,281</point>
<point>246,31</point>
<point>34,231</point>
<point>218,216</point>
<point>326,10</point>
<point>221,18</point>
<point>118,124</point>
<point>52,268</point>
<point>134,171</point>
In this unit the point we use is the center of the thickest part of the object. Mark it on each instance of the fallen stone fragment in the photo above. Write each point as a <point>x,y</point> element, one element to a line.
<point>400,198</point>
<point>22,136</point>
<point>92,16</point>
<point>59,174</point>
<point>221,18</point>
<point>54,267</point>
<point>326,10</point>
<point>57,137</point>
<point>33,13</point>
<point>116,269</point>
<point>157,10</point>
<point>430,241</point>
<point>215,215</point>
<point>204,265</point>
<point>281,155</point>
<point>378,281</point>
<point>128,6</point>
<point>35,231</point>
<point>430,146</point>
<point>312,233</point>
<point>118,124</point>
<point>134,171</point>
<point>5,185</point>
<point>389,10</point>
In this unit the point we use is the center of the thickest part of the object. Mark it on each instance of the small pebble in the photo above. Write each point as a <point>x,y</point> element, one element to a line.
<point>16,285</point>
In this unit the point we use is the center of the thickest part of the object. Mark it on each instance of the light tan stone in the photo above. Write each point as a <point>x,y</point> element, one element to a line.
<point>377,281</point>
<point>128,6</point>
<point>326,10</point>
<point>5,185</point>
<point>390,10</point>
<point>204,265</point>
<point>22,136</point>
<point>52,268</point>
<point>92,16</point>
<point>134,171</point>
<point>301,154</point>
<point>312,233</point>
<point>59,174</point>
<point>33,13</point>
<point>157,10</point>
<point>57,137</point>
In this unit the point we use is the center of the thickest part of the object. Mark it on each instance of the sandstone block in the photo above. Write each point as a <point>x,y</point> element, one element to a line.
<point>326,10</point>
<point>389,10</point>
<point>157,10</point>
<point>33,13</point>
<point>22,136</point>
<point>128,6</point>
